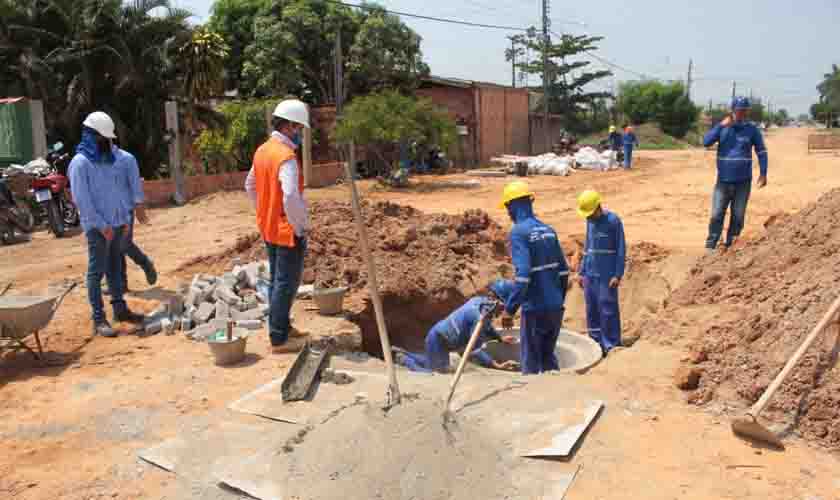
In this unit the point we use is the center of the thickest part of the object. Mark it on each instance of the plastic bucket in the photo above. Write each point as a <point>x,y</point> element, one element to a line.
<point>330,300</point>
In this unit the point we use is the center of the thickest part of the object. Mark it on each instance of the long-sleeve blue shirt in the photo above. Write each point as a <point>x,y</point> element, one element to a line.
<point>542,274</point>
<point>458,326</point>
<point>630,140</point>
<point>734,152</point>
<point>605,249</point>
<point>105,193</point>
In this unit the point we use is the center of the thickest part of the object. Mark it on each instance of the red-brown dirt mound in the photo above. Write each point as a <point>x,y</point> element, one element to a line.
<point>780,286</point>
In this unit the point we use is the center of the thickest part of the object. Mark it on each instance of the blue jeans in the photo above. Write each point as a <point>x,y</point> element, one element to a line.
<point>133,252</point>
<point>105,258</point>
<point>732,195</point>
<point>628,156</point>
<point>538,340</point>
<point>286,268</point>
<point>603,318</point>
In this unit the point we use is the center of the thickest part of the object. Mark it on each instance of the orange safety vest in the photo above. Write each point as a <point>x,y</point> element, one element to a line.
<point>271,215</point>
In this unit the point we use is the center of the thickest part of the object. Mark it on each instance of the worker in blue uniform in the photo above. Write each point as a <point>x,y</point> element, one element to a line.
<point>452,334</point>
<point>630,141</point>
<point>540,284</point>
<point>736,138</point>
<point>602,270</point>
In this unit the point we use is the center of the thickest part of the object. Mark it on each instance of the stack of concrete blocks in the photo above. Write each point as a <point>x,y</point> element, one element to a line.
<point>210,301</point>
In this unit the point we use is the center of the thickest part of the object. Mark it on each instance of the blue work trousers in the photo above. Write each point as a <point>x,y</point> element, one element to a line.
<point>285,266</point>
<point>732,195</point>
<point>538,340</point>
<point>105,258</point>
<point>435,358</point>
<point>603,319</point>
<point>628,156</point>
<point>133,252</point>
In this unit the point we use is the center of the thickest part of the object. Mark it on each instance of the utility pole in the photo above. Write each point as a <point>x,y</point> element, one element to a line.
<point>734,86</point>
<point>513,62</point>
<point>688,80</point>
<point>546,24</point>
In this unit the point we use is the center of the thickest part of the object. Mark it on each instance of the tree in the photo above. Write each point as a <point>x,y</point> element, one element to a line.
<point>380,121</point>
<point>234,20</point>
<point>233,147</point>
<point>664,103</point>
<point>567,80</point>
<point>294,47</point>
<point>827,110</point>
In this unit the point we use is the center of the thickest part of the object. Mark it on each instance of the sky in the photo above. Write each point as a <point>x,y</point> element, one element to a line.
<point>774,49</point>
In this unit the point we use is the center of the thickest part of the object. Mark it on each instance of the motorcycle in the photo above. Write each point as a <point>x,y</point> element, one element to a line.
<point>51,190</point>
<point>14,213</point>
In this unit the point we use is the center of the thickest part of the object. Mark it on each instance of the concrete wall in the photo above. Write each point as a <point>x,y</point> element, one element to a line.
<point>538,145</point>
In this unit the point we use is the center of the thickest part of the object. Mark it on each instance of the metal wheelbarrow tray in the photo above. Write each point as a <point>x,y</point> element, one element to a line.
<point>23,315</point>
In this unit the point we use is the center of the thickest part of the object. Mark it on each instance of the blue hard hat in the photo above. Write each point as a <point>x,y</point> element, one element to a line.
<point>741,103</point>
<point>503,289</point>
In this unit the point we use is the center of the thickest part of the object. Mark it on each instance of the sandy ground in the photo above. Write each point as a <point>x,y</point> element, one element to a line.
<point>72,430</point>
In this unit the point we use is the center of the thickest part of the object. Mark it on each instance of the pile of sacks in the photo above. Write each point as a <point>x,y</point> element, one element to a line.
<point>209,303</point>
<point>590,159</point>
<point>550,164</point>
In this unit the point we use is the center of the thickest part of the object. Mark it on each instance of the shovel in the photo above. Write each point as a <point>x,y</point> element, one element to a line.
<point>747,426</point>
<point>447,413</point>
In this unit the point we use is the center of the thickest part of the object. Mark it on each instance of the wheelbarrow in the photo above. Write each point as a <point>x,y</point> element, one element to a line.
<point>22,316</point>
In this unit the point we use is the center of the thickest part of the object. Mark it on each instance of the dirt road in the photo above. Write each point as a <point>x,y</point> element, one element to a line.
<point>72,431</point>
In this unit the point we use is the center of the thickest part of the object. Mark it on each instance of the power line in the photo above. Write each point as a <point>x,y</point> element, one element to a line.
<point>430,18</point>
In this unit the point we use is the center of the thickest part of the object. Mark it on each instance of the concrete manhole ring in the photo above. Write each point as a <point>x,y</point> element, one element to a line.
<point>576,353</point>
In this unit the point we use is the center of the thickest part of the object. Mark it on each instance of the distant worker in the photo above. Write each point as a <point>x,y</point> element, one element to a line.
<point>735,139</point>
<point>452,334</point>
<point>275,186</point>
<point>602,270</point>
<point>540,284</point>
<point>105,183</point>
<point>615,142</point>
<point>630,140</point>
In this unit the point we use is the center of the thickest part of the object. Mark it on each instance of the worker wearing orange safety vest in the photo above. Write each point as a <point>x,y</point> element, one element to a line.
<point>275,186</point>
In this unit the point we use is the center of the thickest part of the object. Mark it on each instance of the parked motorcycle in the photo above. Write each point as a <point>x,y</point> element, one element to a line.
<point>51,188</point>
<point>15,215</point>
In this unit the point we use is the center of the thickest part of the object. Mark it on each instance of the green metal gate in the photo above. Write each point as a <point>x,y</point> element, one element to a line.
<point>15,132</point>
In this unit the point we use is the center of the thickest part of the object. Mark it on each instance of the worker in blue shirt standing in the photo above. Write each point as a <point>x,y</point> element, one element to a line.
<point>540,284</point>
<point>736,138</point>
<point>630,140</point>
<point>105,182</point>
<point>602,270</point>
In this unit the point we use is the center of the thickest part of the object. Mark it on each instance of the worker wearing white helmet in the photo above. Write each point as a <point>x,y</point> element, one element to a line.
<point>275,185</point>
<point>106,186</point>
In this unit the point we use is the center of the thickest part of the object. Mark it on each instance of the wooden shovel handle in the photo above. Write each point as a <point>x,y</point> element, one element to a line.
<point>791,363</point>
<point>470,345</point>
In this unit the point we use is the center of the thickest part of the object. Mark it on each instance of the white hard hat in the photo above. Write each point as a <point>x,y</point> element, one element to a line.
<point>102,123</point>
<point>294,111</point>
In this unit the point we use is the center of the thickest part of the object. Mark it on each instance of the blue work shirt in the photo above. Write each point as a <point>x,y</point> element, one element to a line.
<point>458,326</point>
<point>542,274</point>
<point>604,250</point>
<point>105,192</point>
<point>615,140</point>
<point>734,151</point>
<point>630,140</point>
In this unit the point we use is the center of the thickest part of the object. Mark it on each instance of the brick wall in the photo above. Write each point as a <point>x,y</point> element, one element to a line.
<point>504,121</point>
<point>460,104</point>
<point>538,136</point>
<point>160,192</point>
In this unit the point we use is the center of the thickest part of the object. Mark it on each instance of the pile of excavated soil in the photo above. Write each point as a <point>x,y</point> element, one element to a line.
<point>427,264</point>
<point>775,290</point>
<point>402,454</point>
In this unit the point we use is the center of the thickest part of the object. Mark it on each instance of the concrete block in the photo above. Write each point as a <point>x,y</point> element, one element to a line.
<point>257,313</point>
<point>305,291</point>
<point>176,305</point>
<point>153,328</point>
<point>187,323</point>
<point>208,294</point>
<point>201,332</point>
<point>250,302</point>
<point>168,326</point>
<point>229,280</point>
<point>222,310</point>
<point>250,324</point>
<point>205,312</point>
<point>226,295</point>
<point>252,272</point>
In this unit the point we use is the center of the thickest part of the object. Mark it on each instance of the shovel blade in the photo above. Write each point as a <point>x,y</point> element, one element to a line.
<point>748,428</point>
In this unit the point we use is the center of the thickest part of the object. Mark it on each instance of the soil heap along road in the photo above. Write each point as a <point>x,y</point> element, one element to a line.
<point>776,289</point>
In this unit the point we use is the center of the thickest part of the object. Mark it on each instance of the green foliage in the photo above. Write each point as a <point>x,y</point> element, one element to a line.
<point>382,120</point>
<point>566,92</point>
<point>293,46</point>
<point>233,147</point>
<point>201,59</point>
<point>663,103</point>
<point>234,20</point>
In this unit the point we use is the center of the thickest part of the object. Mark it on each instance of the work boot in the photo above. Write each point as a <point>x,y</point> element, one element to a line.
<point>103,329</point>
<point>292,345</point>
<point>151,274</point>
<point>130,317</point>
